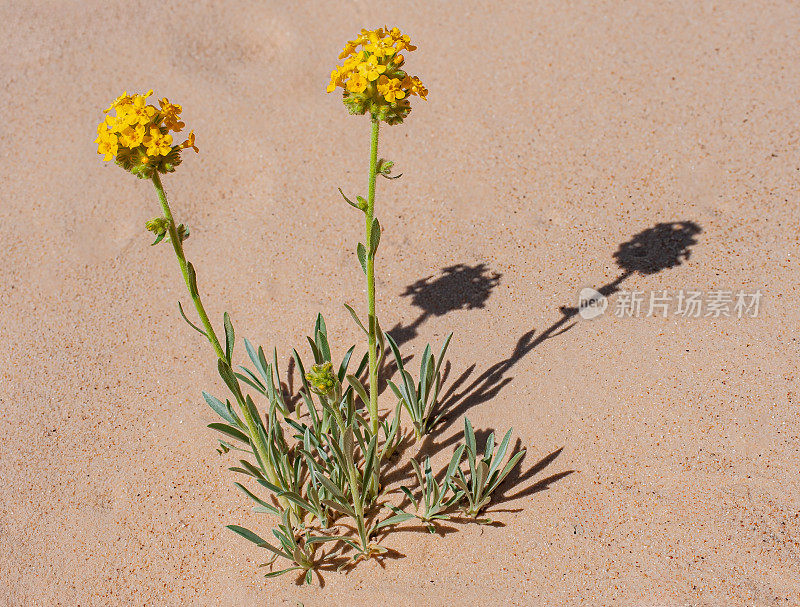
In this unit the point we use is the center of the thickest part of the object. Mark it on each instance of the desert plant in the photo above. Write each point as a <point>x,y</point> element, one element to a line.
<point>436,497</point>
<point>484,472</point>
<point>300,553</point>
<point>421,400</point>
<point>316,460</point>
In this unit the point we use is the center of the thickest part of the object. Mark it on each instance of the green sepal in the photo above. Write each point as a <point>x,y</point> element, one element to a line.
<point>183,232</point>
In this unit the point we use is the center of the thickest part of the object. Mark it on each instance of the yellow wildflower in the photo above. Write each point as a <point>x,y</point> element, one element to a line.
<point>415,87</point>
<point>373,75</point>
<point>157,143</point>
<point>390,88</point>
<point>138,112</point>
<point>189,143</point>
<point>351,63</point>
<point>122,100</point>
<point>357,83</point>
<point>132,136</point>
<point>171,113</point>
<point>336,78</point>
<point>138,135</point>
<point>107,144</point>
<point>349,48</point>
<point>114,123</point>
<point>401,41</point>
<point>379,46</point>
<point>371,69</point>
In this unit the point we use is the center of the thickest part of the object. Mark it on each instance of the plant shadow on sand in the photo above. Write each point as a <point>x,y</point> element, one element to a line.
<point>663,246</point>
<point>458,287</point>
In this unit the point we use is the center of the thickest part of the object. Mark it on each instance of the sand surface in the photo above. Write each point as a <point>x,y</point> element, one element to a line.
<point>663,452</point>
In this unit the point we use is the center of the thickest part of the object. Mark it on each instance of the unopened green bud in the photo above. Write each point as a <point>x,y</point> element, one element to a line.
<point>385,168</point>
<point>158,225</point>
<point>322,378</point>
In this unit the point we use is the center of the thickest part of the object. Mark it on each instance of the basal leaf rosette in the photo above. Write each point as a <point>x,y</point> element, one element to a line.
<point>373,75</point>
<point>138,135</point>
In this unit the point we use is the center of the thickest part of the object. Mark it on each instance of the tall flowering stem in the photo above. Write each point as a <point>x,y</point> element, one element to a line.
<point>374,81</point>
<point>373,321</point>
<point>138,137</point>
<point>186,269</point>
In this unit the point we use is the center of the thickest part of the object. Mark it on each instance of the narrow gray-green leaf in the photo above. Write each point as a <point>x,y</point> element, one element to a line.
<point>469,436</point>
<point>454,462</point>
<point>293,497</point>
<point>375,237</point>
<point>192,280</point>
<point>362,393</point>
<point>348,201</point>
<point>344,364</point>
<point>355,318</point>
<point>480,475</point>
<point>247,534</point>
<point>230,431</point>
<point>442,353</point>
<point>508,468</point>
<point>229,337</point>
<point>339,507</point>
<point>252,495</point>
<point>228,376</point>
<point>361,252</point>
<point>393,520</point>
<point>220,408</point>
<point>282,571</point>
<point>191,324</point>
<point>501,452</point>
<point>321,338</point>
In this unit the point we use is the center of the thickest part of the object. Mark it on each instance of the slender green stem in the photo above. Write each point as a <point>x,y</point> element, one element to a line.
<point>373,323</point>
<point>191,282</point>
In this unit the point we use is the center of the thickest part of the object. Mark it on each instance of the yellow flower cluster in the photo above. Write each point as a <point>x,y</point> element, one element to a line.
<point>138,134</point>
<point>372,76</point>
